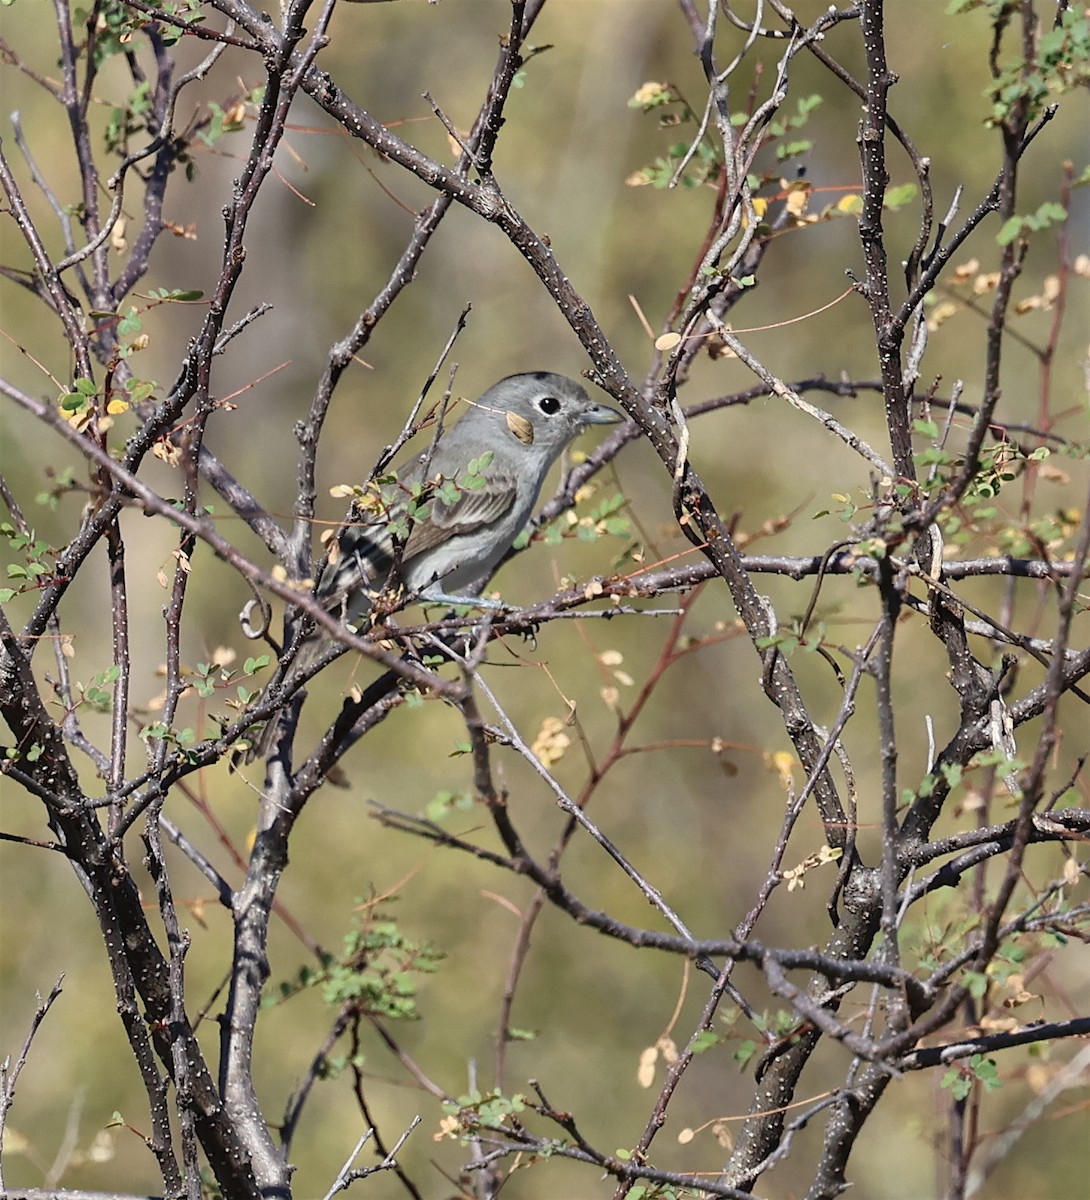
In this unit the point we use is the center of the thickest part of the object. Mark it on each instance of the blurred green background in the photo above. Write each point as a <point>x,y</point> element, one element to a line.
<point>326,233</point>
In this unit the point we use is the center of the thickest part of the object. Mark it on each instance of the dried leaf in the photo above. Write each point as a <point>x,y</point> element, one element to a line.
<point>551,743</point>
<point>1053,474</point>
<point>521,428</point>
<point>167,452</point>
<point>797,200</point>
<point>645,1074</point>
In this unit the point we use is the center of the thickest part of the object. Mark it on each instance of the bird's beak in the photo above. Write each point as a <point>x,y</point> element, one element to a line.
<point>600,414</point>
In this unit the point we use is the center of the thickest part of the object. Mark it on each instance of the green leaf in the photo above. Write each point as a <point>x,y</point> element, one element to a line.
<point>957,1084</point>
<point>1011,228</point>
<point>897,197</point>
<point>177,295</point>
<point>478,465</point>
<point>704,1040</point>
<point>745,1051</point>
<point>793,149</point>
<point>976,983</point>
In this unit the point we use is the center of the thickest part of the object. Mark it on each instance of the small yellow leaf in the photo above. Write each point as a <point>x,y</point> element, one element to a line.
<point>648,93</point>
<point>685,1136</point>
<point>117,406</point>
<point>448,1128</point>
<point>167,452</point>
<point>102,1148</point>
<point>15,1142</point>
<point>645,1074</point>
<point>783,764</point>
<point>721,1129</point>
<point>940,313</point>
<point>667,341</point>
<point>521,428</point>
<point>551,743</point>
<point>1039,1075</point>
<point>797,200</point>
<point>973,801</point>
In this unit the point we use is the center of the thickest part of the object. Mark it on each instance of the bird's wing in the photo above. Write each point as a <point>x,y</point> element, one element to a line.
<point>361,555</point>
<point>472,509</point>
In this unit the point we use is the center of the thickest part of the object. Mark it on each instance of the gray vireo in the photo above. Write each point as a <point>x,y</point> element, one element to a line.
<point>454,511</point>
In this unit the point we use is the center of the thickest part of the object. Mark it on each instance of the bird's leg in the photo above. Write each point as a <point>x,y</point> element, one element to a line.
<point>430,596</point>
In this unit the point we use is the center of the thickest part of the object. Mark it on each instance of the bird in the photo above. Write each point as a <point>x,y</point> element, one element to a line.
<point>451,514</point>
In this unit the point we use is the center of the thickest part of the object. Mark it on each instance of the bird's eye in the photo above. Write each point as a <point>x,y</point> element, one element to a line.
<point>549,405</point>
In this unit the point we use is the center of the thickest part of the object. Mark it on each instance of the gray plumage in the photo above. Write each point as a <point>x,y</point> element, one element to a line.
<point>444,526</point>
